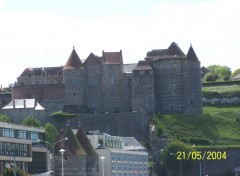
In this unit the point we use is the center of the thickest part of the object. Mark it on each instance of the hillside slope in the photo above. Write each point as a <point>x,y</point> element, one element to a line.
<point>219,125</point>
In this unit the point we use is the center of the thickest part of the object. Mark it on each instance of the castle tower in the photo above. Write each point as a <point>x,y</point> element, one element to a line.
<point>167,67</point>
<point>92,162</point>
<point>74,79</point>
<point>192,102</point>
<point>74,157</point>
<point>143,88</point>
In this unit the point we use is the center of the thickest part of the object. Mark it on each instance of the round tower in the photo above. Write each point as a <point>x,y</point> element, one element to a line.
<point>192,101</point>
<point>74,79</point>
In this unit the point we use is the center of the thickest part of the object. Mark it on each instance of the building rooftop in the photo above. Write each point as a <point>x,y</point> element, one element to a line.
<point>130,143</point>
<point>23,104</point>
<point>73,61</point>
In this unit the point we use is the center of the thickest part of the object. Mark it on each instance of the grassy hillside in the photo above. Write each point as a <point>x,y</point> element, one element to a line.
<point>226,91</point>
<point>217,126</point>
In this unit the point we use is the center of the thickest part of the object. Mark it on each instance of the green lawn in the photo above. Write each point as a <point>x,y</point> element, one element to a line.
<point>219,125</point>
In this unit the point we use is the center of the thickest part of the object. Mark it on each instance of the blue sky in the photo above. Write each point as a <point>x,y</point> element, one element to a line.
<point>41,33</point>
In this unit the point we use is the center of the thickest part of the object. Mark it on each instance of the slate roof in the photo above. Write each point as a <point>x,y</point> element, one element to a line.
<point>82,138</point>
<point>143,65</point>
<point>23,103</point>
<point>191,55</point>
<point>51,71</point>
<point>72,143</point>
<point>112,57</point>
<point>173,51</point>
<point>73,61</point>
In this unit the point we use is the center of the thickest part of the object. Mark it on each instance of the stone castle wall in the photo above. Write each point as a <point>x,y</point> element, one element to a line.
<point>192,93</point>
<point>39,92</point>
<point>120,124</point>
<point>168,85</point>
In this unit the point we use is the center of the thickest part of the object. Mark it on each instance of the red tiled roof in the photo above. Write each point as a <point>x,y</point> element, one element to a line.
<point>191,55</point>
<point>143,65</point>
<point>112,57</point>
<point>73,61</point>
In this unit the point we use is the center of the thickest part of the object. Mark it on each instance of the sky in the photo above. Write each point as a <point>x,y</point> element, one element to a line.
<point>42,33</point>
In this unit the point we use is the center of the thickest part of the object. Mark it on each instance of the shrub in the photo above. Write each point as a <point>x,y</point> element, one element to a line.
<point>199,141</point>
<point>185,140</point>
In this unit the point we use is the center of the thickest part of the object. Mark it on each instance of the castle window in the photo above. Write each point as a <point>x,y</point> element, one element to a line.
<point>59,73</point>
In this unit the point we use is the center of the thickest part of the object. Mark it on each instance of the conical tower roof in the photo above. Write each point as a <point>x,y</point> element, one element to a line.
<point>73,61</point>
<point>174,50</point>
<point>73,144</point>
<point>82,138</point>
<point>191,55</point>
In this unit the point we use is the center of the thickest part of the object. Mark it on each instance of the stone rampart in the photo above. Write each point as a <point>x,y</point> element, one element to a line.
<point>119,124</point>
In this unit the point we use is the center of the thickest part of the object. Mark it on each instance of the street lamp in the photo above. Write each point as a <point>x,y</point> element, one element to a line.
<point>153,158</point>
<point>52,146</point>
<point>102,158</point>
<point>62,152</point>
<point>180,163</point>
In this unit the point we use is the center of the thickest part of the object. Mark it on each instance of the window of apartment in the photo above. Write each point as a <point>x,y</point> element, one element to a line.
<point>34,137</point>
<point>8,133</point>
<point>22,134</point>
<point>29,74</point>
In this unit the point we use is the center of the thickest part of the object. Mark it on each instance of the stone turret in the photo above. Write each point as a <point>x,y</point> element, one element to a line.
<point>92,161</point>
<point>75,156</point>
<point>192,102</point>
<point>74,79</point>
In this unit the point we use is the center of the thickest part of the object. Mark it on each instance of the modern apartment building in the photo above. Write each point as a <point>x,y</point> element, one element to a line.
<point>19,144</point>
<point>119,156</point>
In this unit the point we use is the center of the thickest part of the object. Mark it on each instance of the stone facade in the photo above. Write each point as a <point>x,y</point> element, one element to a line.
<point>167,81</point>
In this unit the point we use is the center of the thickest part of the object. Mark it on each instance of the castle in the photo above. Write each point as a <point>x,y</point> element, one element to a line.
<point>167,81</point>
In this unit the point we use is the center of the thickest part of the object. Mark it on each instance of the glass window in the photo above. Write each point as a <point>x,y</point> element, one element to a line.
<point>34,137</point>
<point>8,133</point>
<point>22,134</point>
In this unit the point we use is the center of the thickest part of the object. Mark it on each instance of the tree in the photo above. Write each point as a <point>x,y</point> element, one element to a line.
<point>223,72</point>
<point>31,121</point>
<point>51,133</point>
<point>176,156</point>
<point>235,72</point>
<point>4,118</point>
<point>209,77</point>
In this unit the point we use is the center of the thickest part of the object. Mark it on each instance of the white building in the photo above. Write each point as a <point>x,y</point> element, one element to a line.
<point>119,156</point>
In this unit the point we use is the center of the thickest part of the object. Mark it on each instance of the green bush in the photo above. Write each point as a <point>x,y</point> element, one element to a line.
<point>62,116</point>
<point>185,140</point>
<point>199,141</point>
